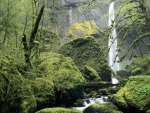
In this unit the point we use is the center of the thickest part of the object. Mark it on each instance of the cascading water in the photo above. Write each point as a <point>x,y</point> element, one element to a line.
<point>90,101</point>
<point>70,15</point>
<point>112,43</point>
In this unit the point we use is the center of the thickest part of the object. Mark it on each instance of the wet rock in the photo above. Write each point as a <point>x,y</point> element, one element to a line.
<point>102,108</point>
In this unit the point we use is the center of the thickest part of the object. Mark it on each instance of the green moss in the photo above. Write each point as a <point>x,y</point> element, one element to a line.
<point>91,74</point>
<point>85,51</point>
<point>58,110</point>
<point>61,70</point>
<point>44,92</point>
<point>136,93</point>
<point>15,94</point>
<point>119,99</point>
<point>102,69</point>
<point>67,79</point>
<point>102,108</point>
<point>136,71</point>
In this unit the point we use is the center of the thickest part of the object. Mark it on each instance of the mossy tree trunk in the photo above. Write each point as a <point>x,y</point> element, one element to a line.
<point>28,47</point>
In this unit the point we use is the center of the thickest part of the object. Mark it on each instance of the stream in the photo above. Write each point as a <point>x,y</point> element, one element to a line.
<point>90,101</point>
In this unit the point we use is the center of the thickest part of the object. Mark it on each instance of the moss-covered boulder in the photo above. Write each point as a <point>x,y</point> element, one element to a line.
<point>102,69</point>
<point>67,79</point>
<point>91,74</point>
<point>85,51</point>
<point>58,110</point>
<point>15,94</point>
<point>102,108</point>
<point>44,92</point>
<point>135,95</point>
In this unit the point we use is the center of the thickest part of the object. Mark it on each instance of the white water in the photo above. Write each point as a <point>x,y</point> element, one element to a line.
<point>90,101</point>
<point>112,43</point>
<point>70,15</point>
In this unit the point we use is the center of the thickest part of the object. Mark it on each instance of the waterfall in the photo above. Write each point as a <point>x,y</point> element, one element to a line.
<point>112,43</point>
<point>70,15</point>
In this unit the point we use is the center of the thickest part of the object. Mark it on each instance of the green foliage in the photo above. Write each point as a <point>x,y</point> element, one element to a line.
<point>44,92</point>
<point>102,108</point>
<point>86,28</point>
<point>58,110</point>
<point>49,41</point>
<point>15,94</point>
<point>133,22</point>
<point>15,91</point>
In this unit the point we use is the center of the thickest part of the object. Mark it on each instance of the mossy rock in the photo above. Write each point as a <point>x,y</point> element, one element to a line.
<point>15,94</point>
<point>91,74</point>
<point>141,65</point>
<point>67,79</point>
<point>119,99</point>
<point>85,51</point>
<point>102,69</point>
<point>148,111</point>
<point>135,95</point>
<point>102,108</point>
<point>44,92</point>
<point>136,71</point>
<point>58,110</point>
